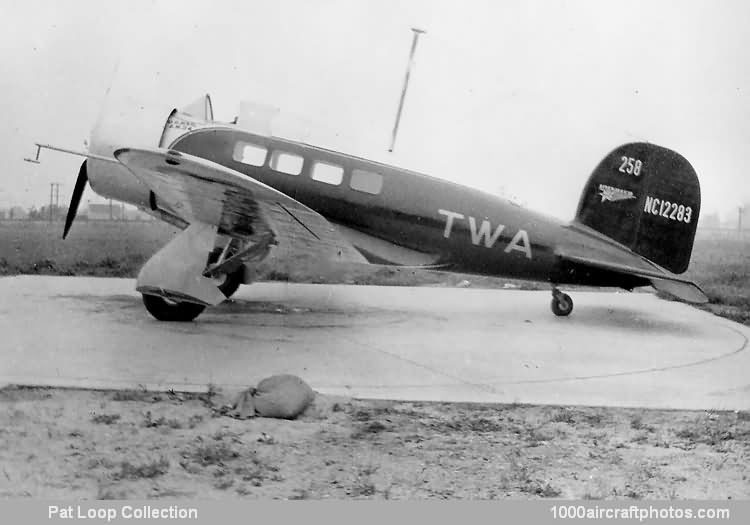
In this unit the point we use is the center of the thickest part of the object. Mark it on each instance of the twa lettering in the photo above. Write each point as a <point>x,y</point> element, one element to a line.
<point>482,234</point>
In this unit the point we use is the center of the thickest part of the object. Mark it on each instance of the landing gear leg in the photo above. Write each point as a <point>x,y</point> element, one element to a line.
<point>228,283</point>
<point>561,303</point>
<point>228,275</point>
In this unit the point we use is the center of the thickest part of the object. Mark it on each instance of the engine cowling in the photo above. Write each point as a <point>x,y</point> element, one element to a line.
<point>127,124</point>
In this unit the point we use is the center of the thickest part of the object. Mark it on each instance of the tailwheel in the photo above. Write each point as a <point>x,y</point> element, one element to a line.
<point>561,303</point>
<point>173,311</point>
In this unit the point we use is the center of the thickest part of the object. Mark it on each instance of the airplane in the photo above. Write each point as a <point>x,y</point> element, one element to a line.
<point>235,191</point>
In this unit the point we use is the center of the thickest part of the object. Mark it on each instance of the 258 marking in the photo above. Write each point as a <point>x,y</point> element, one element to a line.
<point>631,166</point>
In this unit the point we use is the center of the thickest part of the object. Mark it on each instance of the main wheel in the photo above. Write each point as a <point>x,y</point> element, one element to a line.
<point>561,304</point>
<point>228,283</point>
<point>164,310</point>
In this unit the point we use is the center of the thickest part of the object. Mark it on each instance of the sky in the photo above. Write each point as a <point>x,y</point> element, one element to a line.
<point>517,98</point>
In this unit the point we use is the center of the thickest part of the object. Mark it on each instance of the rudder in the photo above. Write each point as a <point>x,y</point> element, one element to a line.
<point>647,198</point>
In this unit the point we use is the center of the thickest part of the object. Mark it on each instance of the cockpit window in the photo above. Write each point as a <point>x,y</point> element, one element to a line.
<point>288,163</point>
<point>366,181</point>
<point>251,154</point>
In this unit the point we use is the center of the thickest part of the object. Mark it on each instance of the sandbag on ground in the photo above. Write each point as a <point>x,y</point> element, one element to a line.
<point>243,406</point>
<point>282,396</point>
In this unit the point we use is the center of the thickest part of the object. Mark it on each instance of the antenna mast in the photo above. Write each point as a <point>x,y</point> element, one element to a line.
<point>417,32</point>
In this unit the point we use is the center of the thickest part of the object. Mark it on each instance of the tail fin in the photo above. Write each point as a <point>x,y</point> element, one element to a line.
<point>647,198</point>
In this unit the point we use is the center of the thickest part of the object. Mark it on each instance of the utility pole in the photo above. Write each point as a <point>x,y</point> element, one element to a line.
<point>54,198</point>
<point>416,32</point>
<point>740,210</point>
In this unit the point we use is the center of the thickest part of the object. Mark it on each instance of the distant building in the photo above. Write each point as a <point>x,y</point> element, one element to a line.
<point>709,220</point>
<point>16,213</point>
<point>105,212</point>
<point>134,214</point>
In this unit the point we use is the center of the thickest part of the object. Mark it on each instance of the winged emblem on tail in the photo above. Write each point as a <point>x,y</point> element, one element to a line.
<point>610,193</point>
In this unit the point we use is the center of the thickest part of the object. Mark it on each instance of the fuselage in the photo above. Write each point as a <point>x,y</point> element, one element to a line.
<point>473,231</point>
<point>461,229</point>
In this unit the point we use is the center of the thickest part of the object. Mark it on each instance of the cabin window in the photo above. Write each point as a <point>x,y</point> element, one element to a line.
<point>366,181</point>
<point>251,154</point>
<point>288,163</point>
<point>328,173</point>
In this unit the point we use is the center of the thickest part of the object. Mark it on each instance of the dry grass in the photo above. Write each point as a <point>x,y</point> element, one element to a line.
<point>105,419</point>
<point>147,470</point>
<point>722,268</point>
<point>112,249</point>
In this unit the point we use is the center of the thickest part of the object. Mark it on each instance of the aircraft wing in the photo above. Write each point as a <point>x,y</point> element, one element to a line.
<point>201,191</point>
<point>632,264</point>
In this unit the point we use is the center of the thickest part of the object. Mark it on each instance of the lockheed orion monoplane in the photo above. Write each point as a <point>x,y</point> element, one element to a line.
<point>236,192</point>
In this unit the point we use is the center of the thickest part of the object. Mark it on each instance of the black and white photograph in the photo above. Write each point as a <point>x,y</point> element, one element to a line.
<point>374,250</point>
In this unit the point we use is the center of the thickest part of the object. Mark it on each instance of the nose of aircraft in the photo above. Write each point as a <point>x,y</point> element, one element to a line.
<point>123,123</point>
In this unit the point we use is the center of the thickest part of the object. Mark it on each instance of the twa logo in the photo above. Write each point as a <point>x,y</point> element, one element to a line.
<point>610,193</point>
<point>482,234</point>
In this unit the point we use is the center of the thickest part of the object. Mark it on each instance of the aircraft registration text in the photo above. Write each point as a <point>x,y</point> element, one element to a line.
<point>668,210</point>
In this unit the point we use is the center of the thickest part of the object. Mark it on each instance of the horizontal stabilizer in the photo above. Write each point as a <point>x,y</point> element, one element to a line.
<point>658,277</point>
<point>686,291</point>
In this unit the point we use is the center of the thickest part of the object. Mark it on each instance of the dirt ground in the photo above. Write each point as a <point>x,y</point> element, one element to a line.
<point>82,444</point>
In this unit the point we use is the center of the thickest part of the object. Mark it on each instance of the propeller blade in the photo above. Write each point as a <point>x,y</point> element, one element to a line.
<point>75,199</point>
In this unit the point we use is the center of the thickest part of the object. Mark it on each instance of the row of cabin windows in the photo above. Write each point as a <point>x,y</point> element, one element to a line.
<point>291,164</point>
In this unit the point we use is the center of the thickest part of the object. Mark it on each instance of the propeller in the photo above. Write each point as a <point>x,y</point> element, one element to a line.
<point>75,199</point>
